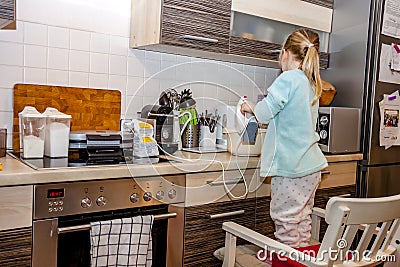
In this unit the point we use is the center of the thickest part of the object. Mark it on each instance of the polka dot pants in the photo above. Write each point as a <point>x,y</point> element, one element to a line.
<point>292,200</point>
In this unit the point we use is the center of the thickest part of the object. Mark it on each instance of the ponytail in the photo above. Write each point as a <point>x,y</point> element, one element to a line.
<point>304,44</point>
<point>310,66</point>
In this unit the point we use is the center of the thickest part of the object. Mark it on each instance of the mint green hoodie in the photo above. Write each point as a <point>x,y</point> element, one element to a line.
<point>290,147</point>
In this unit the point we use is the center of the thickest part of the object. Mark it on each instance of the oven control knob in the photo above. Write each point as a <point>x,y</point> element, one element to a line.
<point>134,198</point>
<point>86,203</point>
<point>147,196</point>
<point>323,134</point>
<point>324,120</point>
<point>101,201</point>
<point>172,193</point>
<point>160,195</point>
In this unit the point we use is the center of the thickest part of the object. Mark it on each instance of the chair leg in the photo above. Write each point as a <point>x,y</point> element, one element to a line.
<point>230,250</point>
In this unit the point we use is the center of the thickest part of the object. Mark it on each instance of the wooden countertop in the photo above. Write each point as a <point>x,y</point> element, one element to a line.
<point>17,173</point>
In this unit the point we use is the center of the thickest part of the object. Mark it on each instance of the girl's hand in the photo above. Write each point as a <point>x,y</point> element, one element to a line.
<point>247,107</point>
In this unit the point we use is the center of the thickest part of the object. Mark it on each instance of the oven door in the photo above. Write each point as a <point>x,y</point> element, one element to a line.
<point>65,241</point>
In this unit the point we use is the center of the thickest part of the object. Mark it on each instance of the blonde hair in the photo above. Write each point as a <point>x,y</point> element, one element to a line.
<point>304,45</point>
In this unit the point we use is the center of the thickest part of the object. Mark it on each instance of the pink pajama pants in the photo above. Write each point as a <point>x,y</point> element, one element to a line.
<point>292,200</point>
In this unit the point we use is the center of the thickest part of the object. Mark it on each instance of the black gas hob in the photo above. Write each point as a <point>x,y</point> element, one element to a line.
<point>73,161</point>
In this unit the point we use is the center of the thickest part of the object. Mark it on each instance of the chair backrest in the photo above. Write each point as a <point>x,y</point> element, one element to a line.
<point>375,219</point>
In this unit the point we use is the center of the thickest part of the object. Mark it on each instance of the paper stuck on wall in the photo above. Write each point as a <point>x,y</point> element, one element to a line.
<point>389,125</point>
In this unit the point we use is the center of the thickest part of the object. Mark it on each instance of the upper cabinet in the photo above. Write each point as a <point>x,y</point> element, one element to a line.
<point>7,14</point>
<point>244,31</point>
<point>198,24</point>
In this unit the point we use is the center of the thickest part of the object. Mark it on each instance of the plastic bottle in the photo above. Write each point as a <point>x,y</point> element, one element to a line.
<point>241,120</point>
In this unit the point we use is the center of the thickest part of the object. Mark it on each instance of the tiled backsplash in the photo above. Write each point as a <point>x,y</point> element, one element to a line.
<point>48,50</point>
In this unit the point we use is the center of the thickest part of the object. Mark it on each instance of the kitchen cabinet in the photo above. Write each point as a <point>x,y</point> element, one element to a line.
<point>16,225</point>
<point>249,32</point>
<point>207,206</point>
<point>198,24</point>
<point>258,28</point>
<point>7,14</point>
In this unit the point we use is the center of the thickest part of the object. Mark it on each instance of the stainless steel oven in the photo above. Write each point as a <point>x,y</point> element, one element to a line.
<point>63,212</point>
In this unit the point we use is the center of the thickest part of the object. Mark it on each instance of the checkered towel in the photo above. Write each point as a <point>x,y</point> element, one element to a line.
<point>122,242</point>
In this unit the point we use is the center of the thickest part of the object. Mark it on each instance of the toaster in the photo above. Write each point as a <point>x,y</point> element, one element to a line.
<point>339,129</point>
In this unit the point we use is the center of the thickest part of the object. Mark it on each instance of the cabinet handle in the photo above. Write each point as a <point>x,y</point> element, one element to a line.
<point>325,172</point>
<point>225,214</point>
<point>198,38</point>
<point>230,181</point>
<point>86,227</point>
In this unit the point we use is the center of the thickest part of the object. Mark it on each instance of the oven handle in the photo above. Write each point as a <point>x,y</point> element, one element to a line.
<point>85,227</point>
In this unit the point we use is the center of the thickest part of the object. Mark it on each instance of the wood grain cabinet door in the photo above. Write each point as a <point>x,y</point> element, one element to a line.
<point>16,247</point>
<point>198,24</point>
<point>203,229</point>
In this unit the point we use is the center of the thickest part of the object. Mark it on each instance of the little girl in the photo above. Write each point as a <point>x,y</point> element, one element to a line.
<point>290,153</point>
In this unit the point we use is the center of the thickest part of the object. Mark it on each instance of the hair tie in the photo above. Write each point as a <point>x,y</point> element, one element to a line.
<point>310,45</point>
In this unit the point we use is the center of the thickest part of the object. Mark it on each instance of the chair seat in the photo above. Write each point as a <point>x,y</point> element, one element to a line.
<point>246,256</point>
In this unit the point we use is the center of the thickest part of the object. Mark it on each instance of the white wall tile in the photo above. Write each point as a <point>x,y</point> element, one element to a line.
<point>79,79</point>
<point>152,67</point>
<point>119,45</point>
<point>35,34</point>
<point>79,40</point>
<point>117,82</point>
<point>99,43</point>
<point>35,75</point>
<point>152,88</point>
<point>118,65</point>
<point>152,55</point>
<point>35,56</point>
<point>11,53</point>
<point>10,75</point>
<point>135,86</point>
<point>58,58</point>
<point>135,66</point>
<point>79,60</point>
<point>99,63</point>
<point>58,37</point>
<point>6,99</point>
<point>6,120</point>
<point>58,77</point>
<point>98,81</point>
<point>15,36</point>
<point>134,105</point>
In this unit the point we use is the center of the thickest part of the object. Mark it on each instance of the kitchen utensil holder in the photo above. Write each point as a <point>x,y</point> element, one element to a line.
<point>3,142</point>
<point>190,136</point>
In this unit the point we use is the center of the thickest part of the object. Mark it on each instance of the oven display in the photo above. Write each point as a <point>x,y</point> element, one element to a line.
<point>55,193</point>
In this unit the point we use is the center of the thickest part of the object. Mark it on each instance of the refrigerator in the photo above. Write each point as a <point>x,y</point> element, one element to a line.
<point>355,48</point>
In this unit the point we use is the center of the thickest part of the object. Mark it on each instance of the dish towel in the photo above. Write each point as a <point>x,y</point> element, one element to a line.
<point>122,242</point>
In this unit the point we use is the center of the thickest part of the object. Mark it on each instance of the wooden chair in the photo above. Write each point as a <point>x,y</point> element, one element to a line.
<point>377,219</point>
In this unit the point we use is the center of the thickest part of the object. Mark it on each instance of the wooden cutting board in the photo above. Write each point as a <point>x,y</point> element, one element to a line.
<point>91,109</point>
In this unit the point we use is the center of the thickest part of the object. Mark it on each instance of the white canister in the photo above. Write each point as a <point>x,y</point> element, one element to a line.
<point>57,133</point>
<point>207,138</point>
<point>32,132</point>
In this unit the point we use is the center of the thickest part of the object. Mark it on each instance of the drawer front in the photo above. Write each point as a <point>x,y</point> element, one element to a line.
<point>264,223</point>
<point>339,174</point>
<point>209,187</point>
<point>203,25</point>
<point>16,247</point>
<point>203,229</point>
<point>259,49</point>
<point>16,207</point>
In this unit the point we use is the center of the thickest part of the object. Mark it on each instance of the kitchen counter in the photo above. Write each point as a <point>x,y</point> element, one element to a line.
<point>17,173</point>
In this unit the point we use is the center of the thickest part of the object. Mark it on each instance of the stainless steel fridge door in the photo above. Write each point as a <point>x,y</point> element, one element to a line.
<point>383,180</point>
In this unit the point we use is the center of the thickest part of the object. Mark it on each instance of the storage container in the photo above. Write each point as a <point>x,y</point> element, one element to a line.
<point>32,132</point>
<point>236,147</point>
<point>57,133</point>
